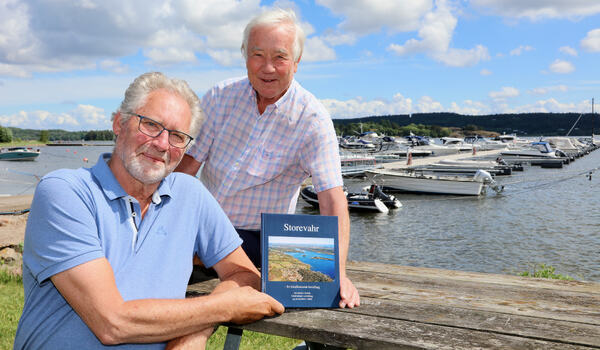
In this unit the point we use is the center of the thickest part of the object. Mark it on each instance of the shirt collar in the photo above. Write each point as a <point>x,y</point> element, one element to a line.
<point>283,105</point>
<point>113,189</point>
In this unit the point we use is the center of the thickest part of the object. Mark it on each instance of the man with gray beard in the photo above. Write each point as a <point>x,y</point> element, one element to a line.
<point>108,250</point>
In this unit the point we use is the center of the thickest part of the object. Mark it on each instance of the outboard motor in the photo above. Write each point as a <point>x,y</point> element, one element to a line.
<point>486,178</point>
<point>388,199</point>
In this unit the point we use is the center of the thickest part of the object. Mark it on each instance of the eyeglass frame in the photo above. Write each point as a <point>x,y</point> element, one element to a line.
<point>141,117</point>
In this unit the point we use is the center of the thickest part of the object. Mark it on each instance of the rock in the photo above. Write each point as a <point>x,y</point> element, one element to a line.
<point>9,255</point>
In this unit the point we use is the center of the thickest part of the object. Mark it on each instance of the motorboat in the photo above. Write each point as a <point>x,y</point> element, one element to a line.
<point>373,199</point>
<point>415,181</point>
<point>540,149</point>
<point>484,144</point>
<point>422,143</point>
<point>19,153</point>
<point>468,167</point>
<point>459,144</point>
<point>353,164</point>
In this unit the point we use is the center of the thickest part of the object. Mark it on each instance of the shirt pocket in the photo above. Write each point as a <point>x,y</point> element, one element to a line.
<point>267,163</point>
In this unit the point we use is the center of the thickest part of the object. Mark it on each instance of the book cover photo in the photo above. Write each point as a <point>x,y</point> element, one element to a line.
<point>300,259</point>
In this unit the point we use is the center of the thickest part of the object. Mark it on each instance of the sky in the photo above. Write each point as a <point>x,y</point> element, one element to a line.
<point>65,64</point>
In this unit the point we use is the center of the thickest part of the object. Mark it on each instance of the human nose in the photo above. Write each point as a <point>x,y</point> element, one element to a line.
<point>162,140</point>
<point>268,66</point>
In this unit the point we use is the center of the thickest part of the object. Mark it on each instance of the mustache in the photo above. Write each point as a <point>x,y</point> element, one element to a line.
<point>148,149</point>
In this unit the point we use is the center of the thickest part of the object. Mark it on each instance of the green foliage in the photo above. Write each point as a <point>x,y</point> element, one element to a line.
<point>5,135</point>
<point>99,135</point>
<point>44,136</point>
<point>386,127</point>
<point>11,305</point>
<point>547,124</point>
<point>252,340</point>
<point>545,271</point>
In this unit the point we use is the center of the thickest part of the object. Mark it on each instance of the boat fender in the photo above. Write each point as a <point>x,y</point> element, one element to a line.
<point>382,207</point>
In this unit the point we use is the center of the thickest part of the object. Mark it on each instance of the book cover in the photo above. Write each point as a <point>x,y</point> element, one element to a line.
<point>300,259</point>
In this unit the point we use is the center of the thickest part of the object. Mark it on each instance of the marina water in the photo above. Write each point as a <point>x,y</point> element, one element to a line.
<point>548,216</point>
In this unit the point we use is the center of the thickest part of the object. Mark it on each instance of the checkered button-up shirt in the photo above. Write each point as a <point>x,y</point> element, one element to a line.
<point>256,163</point>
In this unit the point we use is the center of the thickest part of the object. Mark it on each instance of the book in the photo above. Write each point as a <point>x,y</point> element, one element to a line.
<point>300,259</point>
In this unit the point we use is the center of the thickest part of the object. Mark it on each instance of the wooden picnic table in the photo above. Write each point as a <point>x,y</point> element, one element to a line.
<point>406,307</point>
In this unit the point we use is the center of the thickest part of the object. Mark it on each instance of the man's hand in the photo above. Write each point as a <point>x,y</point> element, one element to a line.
<point>348,294</point>
<point>192,341</point>
<point>246,304</point>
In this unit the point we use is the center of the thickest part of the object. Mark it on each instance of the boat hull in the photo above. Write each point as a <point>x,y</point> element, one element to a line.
<point>406,182</point>
<point>19,155</point>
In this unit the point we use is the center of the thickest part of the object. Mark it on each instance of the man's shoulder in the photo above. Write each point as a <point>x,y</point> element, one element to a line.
<point>310,104</point>
<point>232,84</point>
<point>69,176</point>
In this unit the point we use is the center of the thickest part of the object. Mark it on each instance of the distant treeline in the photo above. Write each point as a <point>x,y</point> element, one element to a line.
<point>56,135</point>
<point>444,124</point>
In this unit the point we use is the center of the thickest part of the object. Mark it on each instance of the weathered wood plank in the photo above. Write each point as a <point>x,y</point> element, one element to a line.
<point>573,286</point>
<point>521,300</point>
<point>530,327</point>
<point>368,332</point>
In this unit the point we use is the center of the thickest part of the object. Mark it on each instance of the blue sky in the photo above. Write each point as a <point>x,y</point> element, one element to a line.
<point>66,63</point>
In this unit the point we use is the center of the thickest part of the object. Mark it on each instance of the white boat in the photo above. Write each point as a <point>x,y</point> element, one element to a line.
<point>484,144</point>
<point>465,166</point>
<point>539,149</point>
<point>418,182</point>
<point>356,164</point>
<point>420,143</point>
<point>19,153</point>
<point>453,142</point>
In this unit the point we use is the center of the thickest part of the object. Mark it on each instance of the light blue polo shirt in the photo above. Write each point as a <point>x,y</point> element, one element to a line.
<point>81,215</point>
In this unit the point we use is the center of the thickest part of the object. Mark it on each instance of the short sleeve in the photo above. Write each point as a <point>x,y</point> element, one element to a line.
<point>204,139</point>
<point>321,157</point>
<point>61,230</point>
<point>217,237</point>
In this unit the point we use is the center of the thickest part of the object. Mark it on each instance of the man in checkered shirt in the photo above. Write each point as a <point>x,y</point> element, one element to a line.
<point>264,135</point>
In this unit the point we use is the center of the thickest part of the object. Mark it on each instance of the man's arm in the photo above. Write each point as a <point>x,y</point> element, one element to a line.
<point>333,202</point>
<point>91,290</point>
<point>188,165</point>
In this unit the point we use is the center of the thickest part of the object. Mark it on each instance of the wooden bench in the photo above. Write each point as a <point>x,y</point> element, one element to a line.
<point>422,308</point>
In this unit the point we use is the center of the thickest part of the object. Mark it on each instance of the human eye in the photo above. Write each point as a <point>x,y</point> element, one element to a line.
<point>151,124</point>
<point>177,138</point>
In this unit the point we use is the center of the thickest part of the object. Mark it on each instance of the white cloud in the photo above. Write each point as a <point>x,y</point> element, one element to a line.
<point>548,89</point>
<point>591,42</point>
<point>170,55</point>
<point>504,93</point>
<point>315,49</point>
<point>435,35</point>
<point>536,10</point>
<point>114,66</point>
<point>561,67</point>
<point>519,50</point>
<point>568,50</point>
<point>84,117</point>
<point>363,16</point>
<point>485,72</point>
<point>463,58</point>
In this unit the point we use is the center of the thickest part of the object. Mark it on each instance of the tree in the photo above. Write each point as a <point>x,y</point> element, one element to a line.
<point>5,135</point>
<point>44,136</point>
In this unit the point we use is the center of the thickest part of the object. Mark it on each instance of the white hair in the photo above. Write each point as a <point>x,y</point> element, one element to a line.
<point>273,17</point>
<point>137,93</point>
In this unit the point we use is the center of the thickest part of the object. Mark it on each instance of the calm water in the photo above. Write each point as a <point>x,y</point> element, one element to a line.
<point>324,266</point>
<point>548,216</point>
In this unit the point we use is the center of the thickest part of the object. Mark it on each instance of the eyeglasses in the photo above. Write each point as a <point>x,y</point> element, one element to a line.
<point>152,128</point>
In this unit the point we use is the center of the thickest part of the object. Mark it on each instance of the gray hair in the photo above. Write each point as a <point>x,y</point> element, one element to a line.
<point>276,16</point>
<point>137,93</point>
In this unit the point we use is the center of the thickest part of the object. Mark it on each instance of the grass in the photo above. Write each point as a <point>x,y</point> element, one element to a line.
<point>252,341</point>
<point>20,143</point>
<point>545,271</point>
<point>11,306</point>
